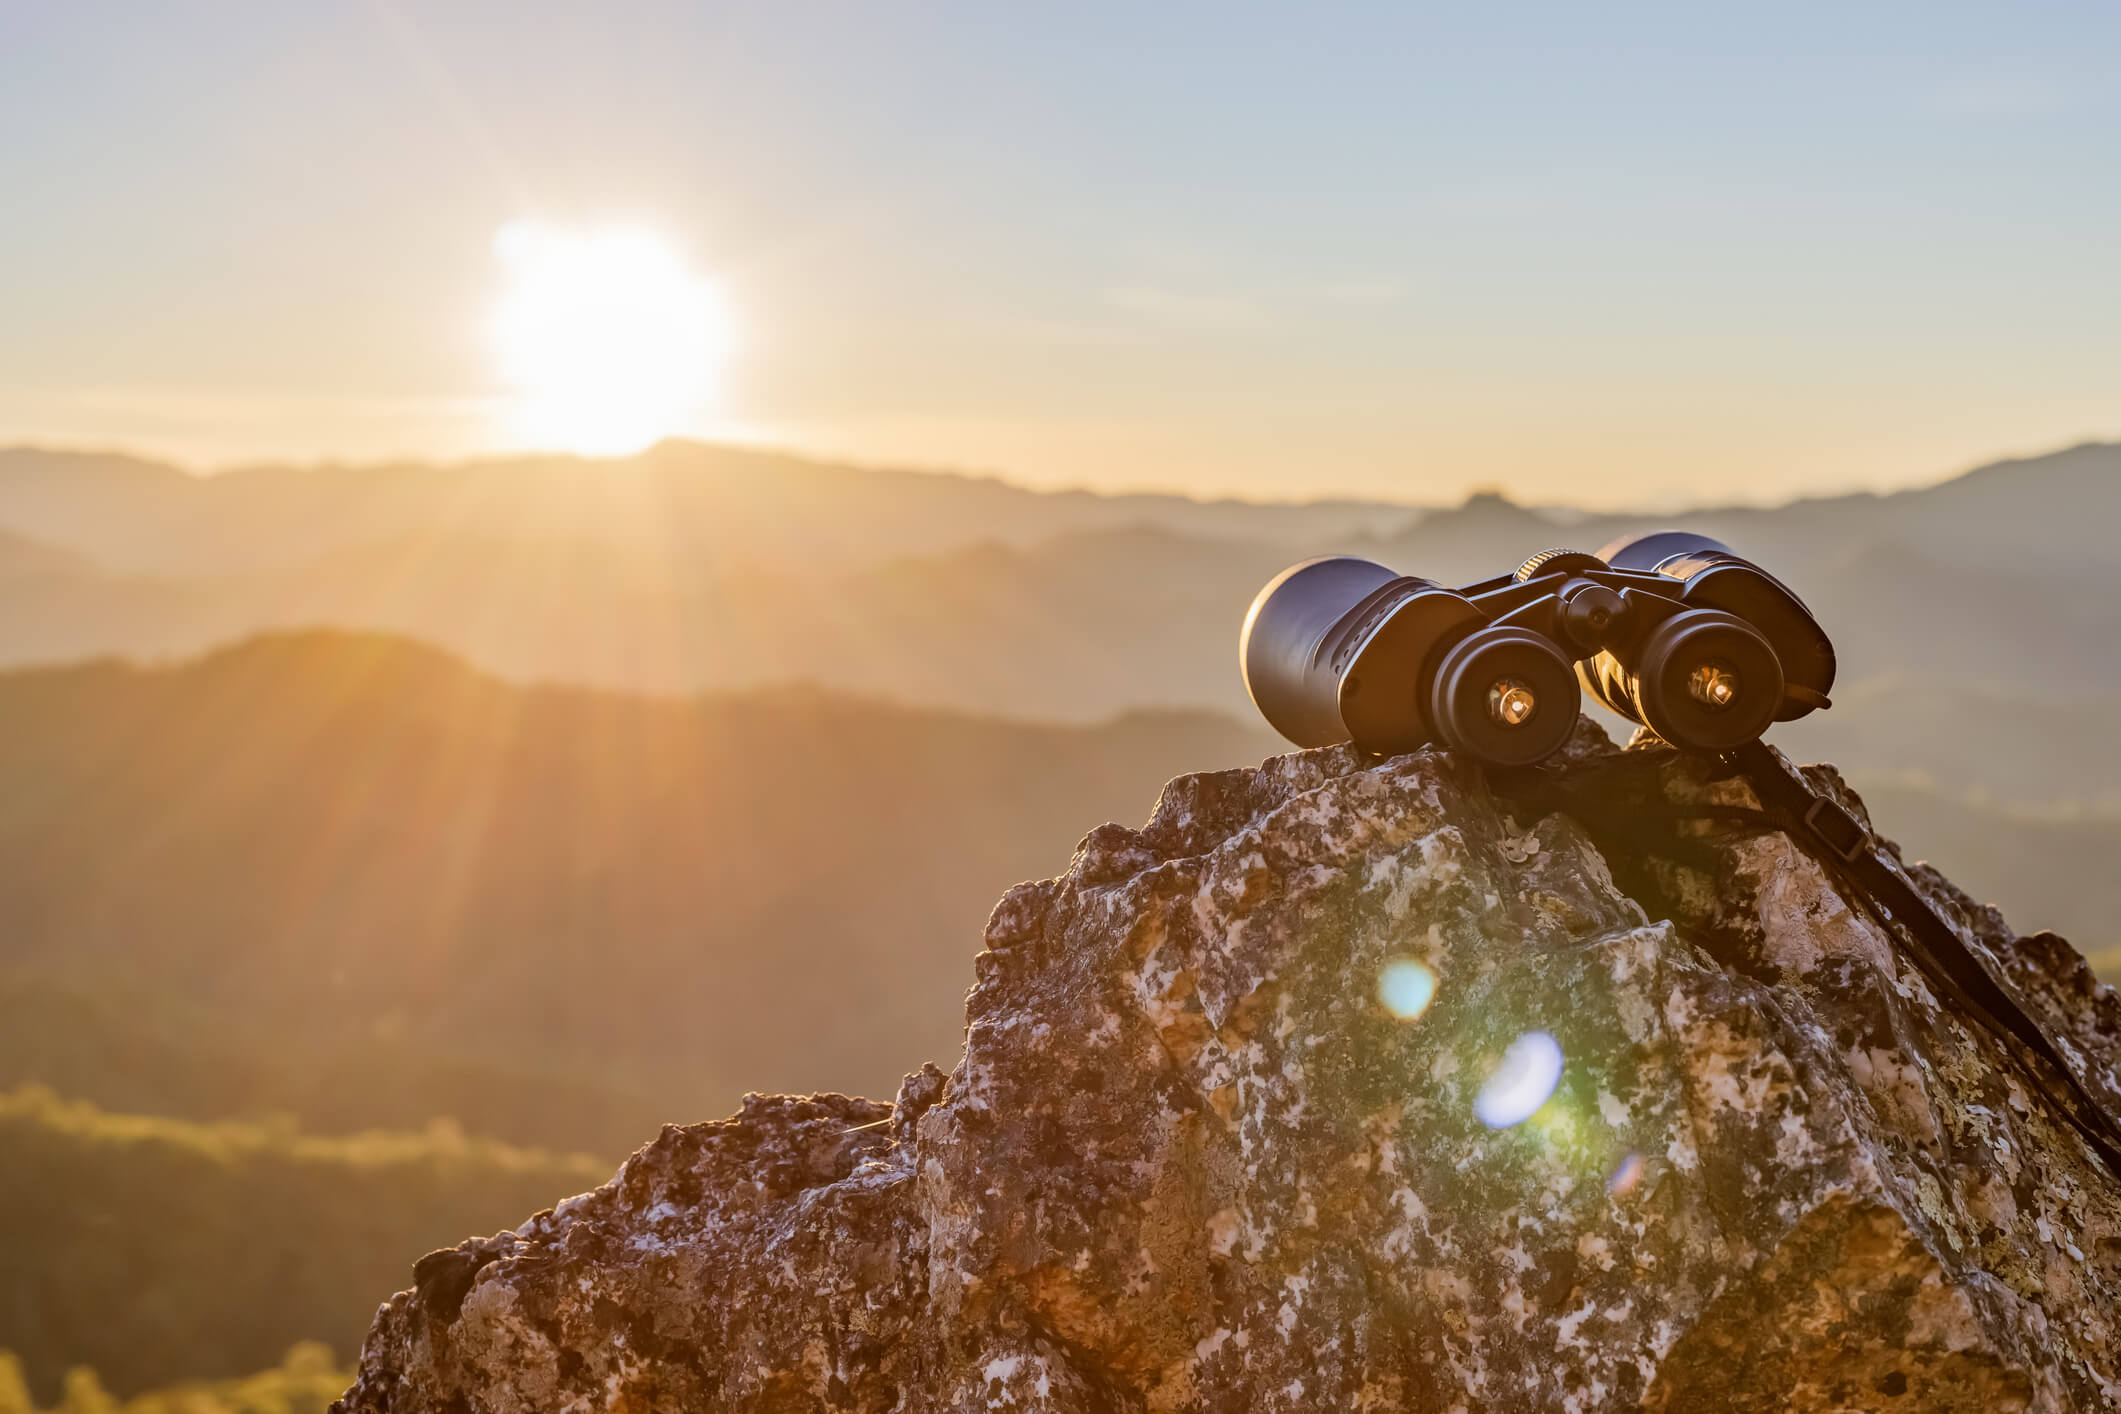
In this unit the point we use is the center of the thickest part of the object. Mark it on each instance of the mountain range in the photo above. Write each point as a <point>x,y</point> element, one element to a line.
<point>327,845</point>
<point>1982,605</point>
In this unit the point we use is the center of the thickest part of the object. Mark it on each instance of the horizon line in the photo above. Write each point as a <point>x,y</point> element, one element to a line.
<point>327,463</point>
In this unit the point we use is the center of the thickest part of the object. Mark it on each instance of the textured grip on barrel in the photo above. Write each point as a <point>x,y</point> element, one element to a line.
<point>1555,560</point>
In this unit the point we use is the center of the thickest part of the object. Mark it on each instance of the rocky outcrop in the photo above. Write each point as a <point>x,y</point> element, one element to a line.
<point>1356,1085</point>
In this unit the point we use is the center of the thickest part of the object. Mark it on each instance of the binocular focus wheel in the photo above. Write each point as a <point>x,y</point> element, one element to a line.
<point>1555,561</point>
<point>1707,681</point>
<point>1507,696</point>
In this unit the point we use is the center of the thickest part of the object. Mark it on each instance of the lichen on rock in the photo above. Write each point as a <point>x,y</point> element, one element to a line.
<point>1192,1159</point>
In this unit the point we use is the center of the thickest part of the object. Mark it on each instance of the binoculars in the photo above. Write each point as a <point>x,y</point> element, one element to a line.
<point>1670,630</point>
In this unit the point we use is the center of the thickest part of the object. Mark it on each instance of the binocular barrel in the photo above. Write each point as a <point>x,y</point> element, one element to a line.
<point>1670,630</point>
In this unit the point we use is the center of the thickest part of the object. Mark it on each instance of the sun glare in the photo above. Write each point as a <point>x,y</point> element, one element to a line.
<point>607,340</point>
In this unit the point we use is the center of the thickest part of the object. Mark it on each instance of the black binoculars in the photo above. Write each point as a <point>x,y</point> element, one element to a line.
<point>1670,630</point>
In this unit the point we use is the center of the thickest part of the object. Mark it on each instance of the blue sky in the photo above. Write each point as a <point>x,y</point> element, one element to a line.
<point>1601,254</point>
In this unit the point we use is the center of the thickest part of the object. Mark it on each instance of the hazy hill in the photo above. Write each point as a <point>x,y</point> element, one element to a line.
<point>1963,611</point>
<point>2043,869</point>
<point>367,842</point>
<point>1937,659</point>
<point>22,557</point>
<point>135,1046</point>
<point>2041,517</point>
<point>1075,628</point>
<point>684,504</point>
<point>2017,745</point>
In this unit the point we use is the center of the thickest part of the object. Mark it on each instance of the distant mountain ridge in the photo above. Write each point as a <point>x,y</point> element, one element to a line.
<point>714,505</point>
<point>693,568</point>
<point>740,505</point>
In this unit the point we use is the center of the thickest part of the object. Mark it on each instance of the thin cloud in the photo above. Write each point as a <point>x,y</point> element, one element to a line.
<point>1188,311</point>
<point>1363,291</point>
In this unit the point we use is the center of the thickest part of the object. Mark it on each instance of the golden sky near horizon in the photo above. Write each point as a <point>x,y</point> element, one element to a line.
<point>1644,257</point>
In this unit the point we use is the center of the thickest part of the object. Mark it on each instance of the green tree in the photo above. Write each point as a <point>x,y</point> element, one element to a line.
<point>85,1394</point>
<point>152,1249</point>
<point>306,1381</point>
<point>14,1389</point>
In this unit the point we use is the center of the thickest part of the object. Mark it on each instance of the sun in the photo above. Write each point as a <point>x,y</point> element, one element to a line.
<point>606,339</point>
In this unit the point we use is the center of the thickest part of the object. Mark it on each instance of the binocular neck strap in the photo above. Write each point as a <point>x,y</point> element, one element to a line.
<point>1846,849</point>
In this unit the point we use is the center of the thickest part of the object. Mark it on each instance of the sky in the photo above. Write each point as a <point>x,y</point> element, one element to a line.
<point>1616,254</point>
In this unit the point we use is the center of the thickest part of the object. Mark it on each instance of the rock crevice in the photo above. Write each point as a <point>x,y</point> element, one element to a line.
<point>1365,1085</point>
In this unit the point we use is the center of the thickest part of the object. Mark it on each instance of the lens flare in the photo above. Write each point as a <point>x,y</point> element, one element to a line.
<point>1625,1177</point>
<point>1524,1081</point>
<point>1406,988</point>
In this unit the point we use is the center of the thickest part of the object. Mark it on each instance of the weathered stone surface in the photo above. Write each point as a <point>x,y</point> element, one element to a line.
<point>1191,1161</point>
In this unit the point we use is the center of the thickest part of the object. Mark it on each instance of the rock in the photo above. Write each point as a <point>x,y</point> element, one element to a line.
<point>1193,1160</point>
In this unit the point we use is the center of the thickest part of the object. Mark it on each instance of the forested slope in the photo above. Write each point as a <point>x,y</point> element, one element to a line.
<point>153,1249</point>
<point>325,846</point>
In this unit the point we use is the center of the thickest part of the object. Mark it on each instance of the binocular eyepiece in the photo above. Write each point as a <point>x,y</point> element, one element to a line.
<point>1670,630</point>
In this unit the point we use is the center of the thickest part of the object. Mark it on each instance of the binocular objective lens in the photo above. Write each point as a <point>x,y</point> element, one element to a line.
<point>1714,684</point>
<point>1511,703</point>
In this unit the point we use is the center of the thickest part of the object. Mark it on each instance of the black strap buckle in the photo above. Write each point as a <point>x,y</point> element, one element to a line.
<point>1840,831</point>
